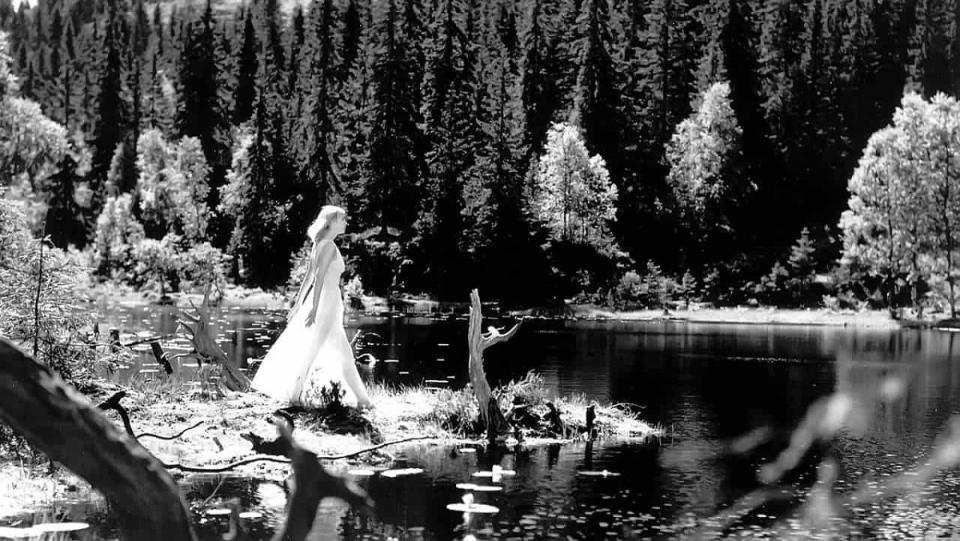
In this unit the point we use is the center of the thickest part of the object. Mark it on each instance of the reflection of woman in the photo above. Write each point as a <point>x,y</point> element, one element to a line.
<point>313,350</point>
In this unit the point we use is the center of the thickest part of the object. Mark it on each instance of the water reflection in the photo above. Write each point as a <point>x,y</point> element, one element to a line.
<point>708,384</point>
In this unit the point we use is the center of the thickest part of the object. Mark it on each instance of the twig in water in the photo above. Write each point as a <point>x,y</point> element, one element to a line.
<point>173,437</point>
<point>279,460</point>
<point>375,447</point>
<point>214,493</point>
<point>226,467</point>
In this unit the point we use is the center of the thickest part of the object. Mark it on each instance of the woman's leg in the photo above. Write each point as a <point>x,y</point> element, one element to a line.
<point>350,374</point>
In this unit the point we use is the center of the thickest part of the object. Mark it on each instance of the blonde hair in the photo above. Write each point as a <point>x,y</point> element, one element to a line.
<point>324,220</point>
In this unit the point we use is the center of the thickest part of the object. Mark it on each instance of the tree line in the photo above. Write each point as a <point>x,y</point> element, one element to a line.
<point>533,148</point>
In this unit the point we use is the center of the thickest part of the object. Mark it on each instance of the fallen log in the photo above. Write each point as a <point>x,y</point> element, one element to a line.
<point>494,420</point>
<point>61,423</point>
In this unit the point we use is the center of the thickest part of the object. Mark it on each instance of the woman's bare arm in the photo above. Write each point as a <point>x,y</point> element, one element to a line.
<point>306,284</point>
<point>324,259</point>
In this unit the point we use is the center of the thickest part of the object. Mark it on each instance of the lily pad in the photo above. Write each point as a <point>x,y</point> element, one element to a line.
<point>473,508</point>
<point>61,527</point>
<point>218,511</point>
<point>7,532</point>
<point>401,472</point>
<point>479,488</point>
<point>602,473</point>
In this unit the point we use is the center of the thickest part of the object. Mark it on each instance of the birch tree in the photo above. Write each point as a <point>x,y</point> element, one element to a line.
<point>575,197</point>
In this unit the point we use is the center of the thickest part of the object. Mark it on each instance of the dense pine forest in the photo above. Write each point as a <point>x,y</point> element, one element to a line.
<point>536,149</point>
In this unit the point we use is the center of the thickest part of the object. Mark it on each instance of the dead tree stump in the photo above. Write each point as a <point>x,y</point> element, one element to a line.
<point>205,347</point>
<point>491,415</point>
<point>161,357</point>
<point>61,423</point>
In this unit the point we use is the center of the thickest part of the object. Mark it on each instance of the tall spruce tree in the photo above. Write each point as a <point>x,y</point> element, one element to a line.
<point>199,111</point>
<point>111,111</point>
<point>596,93</point>
<point>449,118</point>
<point>392,188</point>
<point>320,79</point>
<point>244,94</point>
<point>537,91</point>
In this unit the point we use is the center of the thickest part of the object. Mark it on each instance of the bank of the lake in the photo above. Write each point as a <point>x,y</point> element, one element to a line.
<point>217,432</point>
<point>246,298</point>
<point>877,319</point>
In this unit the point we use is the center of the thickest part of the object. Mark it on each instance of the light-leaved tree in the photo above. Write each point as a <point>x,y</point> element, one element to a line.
<point>701,154</point>
<point>574,195</point>
<point>904,207</point>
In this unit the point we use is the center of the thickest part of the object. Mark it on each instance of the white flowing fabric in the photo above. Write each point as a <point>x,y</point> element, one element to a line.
<point>304,358</point>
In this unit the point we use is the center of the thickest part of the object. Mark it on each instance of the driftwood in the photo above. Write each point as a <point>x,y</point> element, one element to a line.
<point>478,341</point>
<point>205,347</point>
<point>312,483</point>
<point>113,403</point>
<point>60,422</point>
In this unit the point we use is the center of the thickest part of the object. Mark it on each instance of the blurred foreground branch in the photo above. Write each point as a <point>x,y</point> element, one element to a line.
<point>60,422</point>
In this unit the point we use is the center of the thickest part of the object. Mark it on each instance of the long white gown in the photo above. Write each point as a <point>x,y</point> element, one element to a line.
<point>304,358</point>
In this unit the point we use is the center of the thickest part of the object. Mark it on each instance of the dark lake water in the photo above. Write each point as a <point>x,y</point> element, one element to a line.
<point>707,384</point>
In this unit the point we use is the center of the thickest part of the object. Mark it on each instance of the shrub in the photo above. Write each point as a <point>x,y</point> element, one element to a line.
<point>57,319</point>
<point>118,231</point>
<point>155,261</point>
<point>202,264</point>
<point>353,293</point>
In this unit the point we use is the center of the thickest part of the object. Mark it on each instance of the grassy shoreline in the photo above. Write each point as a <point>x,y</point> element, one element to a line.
<point>748,316</point>
<point>444,417</point>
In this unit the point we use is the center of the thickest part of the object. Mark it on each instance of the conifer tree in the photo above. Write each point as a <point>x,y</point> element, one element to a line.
<point>538,94</point>
<point>449,119</point>
<point>352,37</point>
<point>199,111</point>
<point>295,57</point>
<point>665,69</point>
<point>110,119</point>
<point>244,94</point>
<point>392,185</point>
<point>67,87</point>
<point>596,104</point>
<point>317,156</point>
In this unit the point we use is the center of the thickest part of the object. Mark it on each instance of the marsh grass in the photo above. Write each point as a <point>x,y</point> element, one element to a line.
<point>454,413</point>
<point>158,387</point>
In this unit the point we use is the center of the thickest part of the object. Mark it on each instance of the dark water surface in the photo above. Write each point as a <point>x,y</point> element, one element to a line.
<point>707,384</point>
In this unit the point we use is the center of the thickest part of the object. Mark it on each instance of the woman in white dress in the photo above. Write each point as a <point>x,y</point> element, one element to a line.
<point>313,351</point>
